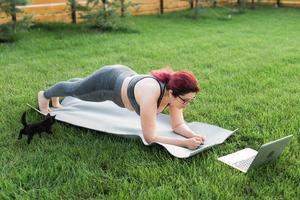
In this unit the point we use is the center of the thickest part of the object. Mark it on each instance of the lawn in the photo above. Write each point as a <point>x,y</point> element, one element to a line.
<point>249,71</point>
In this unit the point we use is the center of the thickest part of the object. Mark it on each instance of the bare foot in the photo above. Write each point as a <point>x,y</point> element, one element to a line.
<point>55,102</point>
<point>43,103</point>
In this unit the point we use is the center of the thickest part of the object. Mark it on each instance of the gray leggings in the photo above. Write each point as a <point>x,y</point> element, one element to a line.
<point>104,84</point>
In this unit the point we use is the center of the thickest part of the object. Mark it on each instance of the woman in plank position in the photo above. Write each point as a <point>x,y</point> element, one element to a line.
<point>147,95</point>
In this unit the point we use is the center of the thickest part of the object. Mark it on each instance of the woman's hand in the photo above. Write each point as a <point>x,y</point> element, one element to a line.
<point>199,137</point>
<point>193,143</point>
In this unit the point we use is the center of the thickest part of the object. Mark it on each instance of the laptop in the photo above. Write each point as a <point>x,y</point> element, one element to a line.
<point>248,158</point>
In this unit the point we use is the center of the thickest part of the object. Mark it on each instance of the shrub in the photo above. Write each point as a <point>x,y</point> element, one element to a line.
<point>107,15</point>
<point>9,32</point>
<point>10,7</point>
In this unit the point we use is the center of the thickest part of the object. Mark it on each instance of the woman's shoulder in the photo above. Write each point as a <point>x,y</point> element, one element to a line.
<point>148,86</point>
<point>149,82</point>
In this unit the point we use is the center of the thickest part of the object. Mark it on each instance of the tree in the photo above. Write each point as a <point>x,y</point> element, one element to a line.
<point>122,2</point>
<point>9,31</point>
<point>9,7</point>
<point>105,15</point>
<point>252,4</point>
<point>278,4</point>
<point>191,4</point>
<point>241,4</point>
<point>124,5</point>
<point>73,6</point>
<point>195,7</point>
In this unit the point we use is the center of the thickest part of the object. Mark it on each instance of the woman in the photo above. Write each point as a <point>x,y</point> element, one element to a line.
<point>147,95</point>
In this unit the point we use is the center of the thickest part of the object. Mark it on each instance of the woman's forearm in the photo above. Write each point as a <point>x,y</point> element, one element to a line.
<point>173,141</point>
<point>184,130</point>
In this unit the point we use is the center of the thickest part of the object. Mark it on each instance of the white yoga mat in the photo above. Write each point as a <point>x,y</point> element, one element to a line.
<point>110,118</point>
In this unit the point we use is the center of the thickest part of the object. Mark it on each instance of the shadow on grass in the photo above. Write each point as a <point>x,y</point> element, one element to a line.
<point>219,13</point>
<point>224,13</point>
<point>63,28</point>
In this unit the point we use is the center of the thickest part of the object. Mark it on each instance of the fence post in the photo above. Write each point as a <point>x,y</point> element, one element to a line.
<point>278,4</point>
<point>161,7</point>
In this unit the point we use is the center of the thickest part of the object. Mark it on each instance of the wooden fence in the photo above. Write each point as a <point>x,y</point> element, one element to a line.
<point>59,10</point>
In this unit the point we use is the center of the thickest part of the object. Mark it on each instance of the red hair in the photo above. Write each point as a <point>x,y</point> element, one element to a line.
<point>180,82</point>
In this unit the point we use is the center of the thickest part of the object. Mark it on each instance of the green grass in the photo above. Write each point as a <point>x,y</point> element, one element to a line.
<point>249,70</point>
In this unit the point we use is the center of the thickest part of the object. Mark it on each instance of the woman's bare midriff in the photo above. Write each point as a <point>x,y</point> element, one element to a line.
<point>124,96</point>
<point>126,101</point>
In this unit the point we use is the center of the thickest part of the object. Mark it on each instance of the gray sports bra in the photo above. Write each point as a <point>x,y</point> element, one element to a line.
<point>130,91</point>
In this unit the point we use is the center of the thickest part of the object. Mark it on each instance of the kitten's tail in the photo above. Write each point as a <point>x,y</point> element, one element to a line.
<point>24,119</point>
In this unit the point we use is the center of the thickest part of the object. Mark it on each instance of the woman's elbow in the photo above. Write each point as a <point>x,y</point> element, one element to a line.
<point>175,127</point>
<point>150,138</point>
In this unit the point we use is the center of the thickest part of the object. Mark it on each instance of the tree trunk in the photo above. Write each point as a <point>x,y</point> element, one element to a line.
<point>161,7</point>
<point>104,2</point>
<point>252,4</point>
<point>191,4</point>
<point>278,3</point>
<point>73,11</point>
<point>13,11</point>
<point>122,8</point>
<point>215,3</point>
<point>14,17</point>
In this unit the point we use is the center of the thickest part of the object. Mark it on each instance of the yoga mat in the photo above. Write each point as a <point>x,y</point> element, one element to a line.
<point>110,118</point>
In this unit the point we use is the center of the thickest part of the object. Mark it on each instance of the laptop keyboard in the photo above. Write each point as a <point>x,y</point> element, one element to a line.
<point>244,164</point>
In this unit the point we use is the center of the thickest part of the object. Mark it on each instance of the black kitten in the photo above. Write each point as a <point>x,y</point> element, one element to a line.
<point>38,127</point>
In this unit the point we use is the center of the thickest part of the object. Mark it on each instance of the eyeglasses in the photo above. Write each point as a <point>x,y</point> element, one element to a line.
<point>186,101</point>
